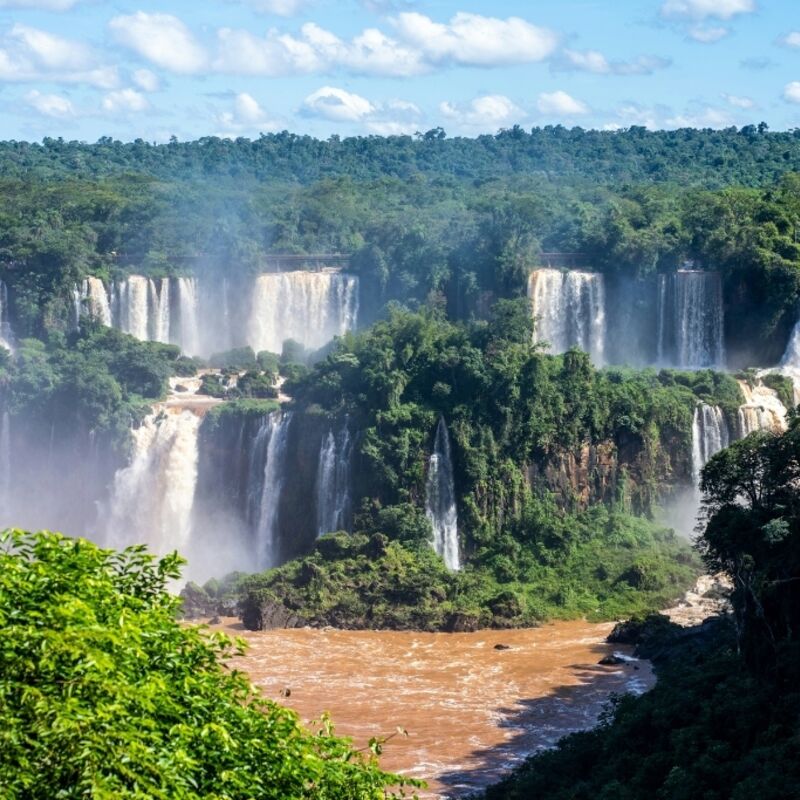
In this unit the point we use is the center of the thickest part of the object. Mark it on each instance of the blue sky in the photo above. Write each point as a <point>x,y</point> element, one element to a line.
<point>82,69</point>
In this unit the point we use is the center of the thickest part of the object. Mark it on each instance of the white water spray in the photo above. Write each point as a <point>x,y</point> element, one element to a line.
<point>440,500</point>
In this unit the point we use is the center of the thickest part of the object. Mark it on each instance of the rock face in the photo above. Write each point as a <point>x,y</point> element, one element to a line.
<point>265,615</point>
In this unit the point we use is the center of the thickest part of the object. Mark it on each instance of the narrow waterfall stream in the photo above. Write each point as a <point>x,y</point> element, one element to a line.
<point>440,500</point>
<point>6,334</point>
<point>333,482</point>
<point>709,435</point>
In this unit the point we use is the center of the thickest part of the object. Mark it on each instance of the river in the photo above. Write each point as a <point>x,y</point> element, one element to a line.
<point>471,711</point>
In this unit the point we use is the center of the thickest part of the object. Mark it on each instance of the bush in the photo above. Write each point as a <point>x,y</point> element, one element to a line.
<point>103,694</point>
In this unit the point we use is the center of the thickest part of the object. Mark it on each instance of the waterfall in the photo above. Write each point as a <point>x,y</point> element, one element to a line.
<point>762,410</point>
<point>440,499</point>
<point>6,334</point>
<point>569,310</point>
<point>131,301</point>
<point>158,310</point>
<point>77,298</point>
<point>691,319</point>
<point>188,333</point>
<point>709,436</point>
<point>333,482</point>
<point>151,500</point>
<point>309,307</point>
<point>95,298</point>
<point>266,539</point>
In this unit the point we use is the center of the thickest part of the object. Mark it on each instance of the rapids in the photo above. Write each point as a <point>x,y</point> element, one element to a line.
<point>472,712</point>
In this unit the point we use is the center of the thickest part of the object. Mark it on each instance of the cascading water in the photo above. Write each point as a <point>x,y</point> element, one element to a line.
<point>158,310</point>
<point>95,299</point>
<point>762,410</point>
<point>309,307</point>
<point>569,310</point>
<point>333,482</point>
<point>131,306</point>
<point>6,334</point>
<point>188,333</point>
<point>440,499</point>
<point>691,319</point>
<point>709,436</point>
<point>152,498</point>
<point>266,538</point>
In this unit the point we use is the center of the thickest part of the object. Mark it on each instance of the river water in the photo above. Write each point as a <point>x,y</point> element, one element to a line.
<point>471,711</point>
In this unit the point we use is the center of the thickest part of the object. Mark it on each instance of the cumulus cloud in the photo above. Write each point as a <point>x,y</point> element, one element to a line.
<point>703,9</point>
<point>791,39</point>
<point>31,54</point>
<point>125,101</point>
<point>561,104</point>
<point>739,101</point>
<point>160,38</point>
<point>488,112</point>
<point>416,44</point>
<point>50,105</point>
<point>707,117</point>
<point>791,92</point>
<point>476,40</point>
<point>594,61</point>
<point>146,80</point>
<point>245,116</point>
<point>337,105</point>
<point>46,5</point>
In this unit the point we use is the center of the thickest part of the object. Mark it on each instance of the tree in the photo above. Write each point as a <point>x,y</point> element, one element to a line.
<point>104,694</point>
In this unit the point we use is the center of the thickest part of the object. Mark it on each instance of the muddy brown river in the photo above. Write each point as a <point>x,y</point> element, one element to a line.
<point>471,711</point>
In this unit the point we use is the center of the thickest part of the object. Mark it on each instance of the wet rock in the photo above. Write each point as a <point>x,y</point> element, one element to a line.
<point>179,387</point>
<point>264,615</point>
<point>214,620</point>
<point>502,647</point>
<point>612,660</point>
<point>459,622</point>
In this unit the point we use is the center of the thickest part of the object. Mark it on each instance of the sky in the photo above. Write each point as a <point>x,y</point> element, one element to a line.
<point>132,69</point>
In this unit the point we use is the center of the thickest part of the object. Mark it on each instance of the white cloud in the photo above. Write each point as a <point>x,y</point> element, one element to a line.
<point>792,39</point>
<point>246,116</point>
<point>738,101</point>
<point>707,117</point>
<point>791,92</point>
<point>46,5</point>
<point>31,54</point>
<point>707,34</point>
<point>476,40</point>
<point>337,105</point>
<point>703,9</point>
<point>281,8</point>
<point>487,112</point>
<point>162,39</point>
<point>594,61</point>
<point>146,80</point>
<point>124,101</point>
<point>559,102</point>
<point>50,105</point>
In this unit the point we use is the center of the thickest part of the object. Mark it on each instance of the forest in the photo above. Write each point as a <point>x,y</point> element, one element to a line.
<point>304,475</point>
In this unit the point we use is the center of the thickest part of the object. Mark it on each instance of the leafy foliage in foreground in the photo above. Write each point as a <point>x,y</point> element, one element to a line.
<point>103,694</point>
<point>599,564</point>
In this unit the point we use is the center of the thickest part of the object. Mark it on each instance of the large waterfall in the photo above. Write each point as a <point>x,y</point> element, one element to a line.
<point>709,436</point>
<point>569,310</point>
<point>309,307</point>
<point>440,499</point>
<point>266,540</point>
<point>333,482</point>
<point>151,500</point>
<point>691,319</point>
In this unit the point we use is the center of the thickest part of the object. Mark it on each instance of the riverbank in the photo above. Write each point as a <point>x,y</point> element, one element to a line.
<point>474,705</point>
